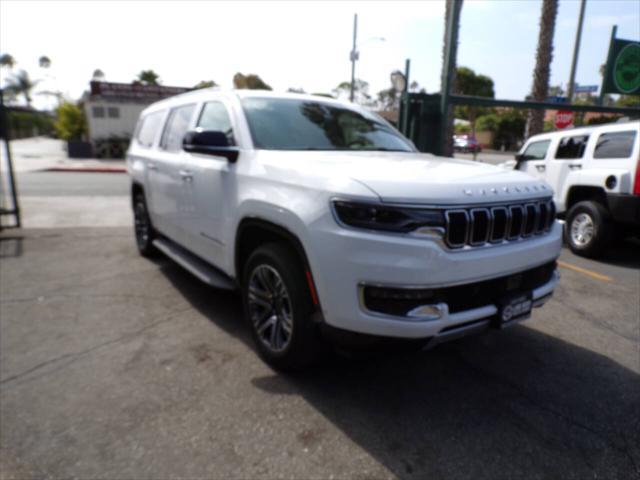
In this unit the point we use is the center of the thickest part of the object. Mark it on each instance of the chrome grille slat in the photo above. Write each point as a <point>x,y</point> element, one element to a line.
<point>477,226</point>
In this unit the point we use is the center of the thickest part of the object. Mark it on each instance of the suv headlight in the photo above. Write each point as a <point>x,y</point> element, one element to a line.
<point>387,218</point>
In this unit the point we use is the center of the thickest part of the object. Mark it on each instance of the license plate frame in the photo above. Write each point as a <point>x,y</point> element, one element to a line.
<point>514,308</point>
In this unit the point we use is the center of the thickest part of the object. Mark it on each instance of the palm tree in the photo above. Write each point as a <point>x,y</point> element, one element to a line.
<point>148,77</point>
<point>7,60</point>
<point>21,84</point>
<point>44,61</point>
<point>544,56</point>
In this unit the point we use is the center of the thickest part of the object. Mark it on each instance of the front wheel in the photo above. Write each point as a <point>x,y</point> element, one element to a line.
<point>588,230</point>
<point>278,305</point>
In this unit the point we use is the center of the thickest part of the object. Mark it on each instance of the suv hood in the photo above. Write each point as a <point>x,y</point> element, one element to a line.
<point>398,177</point>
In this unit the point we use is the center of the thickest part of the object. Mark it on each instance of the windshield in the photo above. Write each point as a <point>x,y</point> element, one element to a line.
<point>292,124</point>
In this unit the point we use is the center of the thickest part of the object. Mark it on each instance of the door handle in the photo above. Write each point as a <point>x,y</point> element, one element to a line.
<point>152,166</point>
<point>187,175</point>
<point>541,168</point>
<point>575,166</point>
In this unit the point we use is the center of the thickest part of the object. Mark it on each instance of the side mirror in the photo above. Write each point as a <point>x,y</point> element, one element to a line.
<point>519,157</point>
<point>210,142</point>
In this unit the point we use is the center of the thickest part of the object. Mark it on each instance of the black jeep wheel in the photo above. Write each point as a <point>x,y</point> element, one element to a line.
<point>278,306</point>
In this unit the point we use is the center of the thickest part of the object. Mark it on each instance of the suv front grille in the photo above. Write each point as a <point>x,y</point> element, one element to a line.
<point>479,226</point>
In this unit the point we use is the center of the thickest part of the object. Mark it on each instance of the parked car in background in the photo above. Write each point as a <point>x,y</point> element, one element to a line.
<point>333,226</point>
<point>466,144</point>
<point>595,173</point>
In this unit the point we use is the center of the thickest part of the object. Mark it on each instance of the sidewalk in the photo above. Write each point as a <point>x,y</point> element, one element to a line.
<point>48,154</point>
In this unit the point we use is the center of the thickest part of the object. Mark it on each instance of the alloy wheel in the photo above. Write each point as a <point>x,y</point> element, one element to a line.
<point>270,308</point>
<point>582,229</point>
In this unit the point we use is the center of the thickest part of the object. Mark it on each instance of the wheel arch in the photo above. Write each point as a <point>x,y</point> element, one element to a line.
<point>136,188</point>
<point>581,193</point>
<point>253,232</point>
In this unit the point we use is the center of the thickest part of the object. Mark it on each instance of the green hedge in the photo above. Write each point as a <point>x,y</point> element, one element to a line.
<point>29,124</point>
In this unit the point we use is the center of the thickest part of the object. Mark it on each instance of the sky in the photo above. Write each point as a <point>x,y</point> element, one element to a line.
<point>303,44</point>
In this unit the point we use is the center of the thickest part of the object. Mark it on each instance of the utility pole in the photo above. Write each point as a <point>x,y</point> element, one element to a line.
<point>576,50</point>
<point>354,55</point>
<point>453,9</point>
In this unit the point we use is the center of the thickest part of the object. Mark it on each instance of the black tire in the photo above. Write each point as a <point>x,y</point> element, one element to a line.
<point>143,229</point>
<point>299,347</point>
<point>593,220</point>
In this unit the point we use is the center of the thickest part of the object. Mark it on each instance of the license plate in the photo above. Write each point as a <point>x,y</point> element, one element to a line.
<point>514,308</point>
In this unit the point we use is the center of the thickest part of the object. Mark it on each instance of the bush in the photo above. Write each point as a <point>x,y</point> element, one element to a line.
<point>461,129</point>
<point>24,124</point>
<point>111,147</point>
<point>71,123</point>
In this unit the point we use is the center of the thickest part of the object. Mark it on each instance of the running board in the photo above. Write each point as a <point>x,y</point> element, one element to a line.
<point>199,268</point>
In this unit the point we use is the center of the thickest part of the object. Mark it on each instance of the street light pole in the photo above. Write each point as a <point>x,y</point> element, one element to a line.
<point>354,55</point>
<point>576,49</point>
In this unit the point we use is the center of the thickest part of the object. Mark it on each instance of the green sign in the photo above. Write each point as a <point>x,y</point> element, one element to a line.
<point>622,73</point>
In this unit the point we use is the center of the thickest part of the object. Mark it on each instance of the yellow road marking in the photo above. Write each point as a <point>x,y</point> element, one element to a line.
<point>588,273</point>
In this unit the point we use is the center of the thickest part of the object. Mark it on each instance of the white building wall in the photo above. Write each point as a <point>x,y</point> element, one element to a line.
<point>106,126</point>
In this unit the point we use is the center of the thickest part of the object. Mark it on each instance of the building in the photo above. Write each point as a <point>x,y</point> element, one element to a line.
<point>112,110</point>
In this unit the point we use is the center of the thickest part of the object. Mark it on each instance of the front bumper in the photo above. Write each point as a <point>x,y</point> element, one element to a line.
<point>345,259</point>
<point>624,208</point>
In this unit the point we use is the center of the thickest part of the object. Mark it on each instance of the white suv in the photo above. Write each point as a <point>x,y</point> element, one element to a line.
<point>595,173</point>
<point>331,223</point>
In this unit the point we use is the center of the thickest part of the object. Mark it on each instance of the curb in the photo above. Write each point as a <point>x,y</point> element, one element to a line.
<point>87,169</point>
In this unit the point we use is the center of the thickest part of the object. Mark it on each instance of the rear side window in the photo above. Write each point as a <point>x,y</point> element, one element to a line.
<point>149,126</point>
<point>176,127</point>
<point>536,150</point>
<point>615,145</point>
<point>572,147</point>
<point>215,116</point>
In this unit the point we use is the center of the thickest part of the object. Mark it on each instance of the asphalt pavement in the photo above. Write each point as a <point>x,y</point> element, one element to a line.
<point>114,366</point>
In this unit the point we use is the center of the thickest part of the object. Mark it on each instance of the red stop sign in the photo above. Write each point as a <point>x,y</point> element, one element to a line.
<point>564,119</point>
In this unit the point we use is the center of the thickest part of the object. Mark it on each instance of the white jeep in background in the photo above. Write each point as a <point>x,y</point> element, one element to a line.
<point>595,174</point>
<point>332,225</point>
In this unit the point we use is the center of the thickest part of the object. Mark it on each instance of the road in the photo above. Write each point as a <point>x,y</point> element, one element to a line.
<point>64,184</point>
<point>114,366</point>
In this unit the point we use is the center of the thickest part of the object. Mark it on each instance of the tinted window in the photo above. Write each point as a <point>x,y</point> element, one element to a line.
<point>214,116</point>
<point>572,147</point>
<point>615,145</point>
<point>148,128</point>
<point>177,125</point>
<point>292,124</point>
<point>536,150</point>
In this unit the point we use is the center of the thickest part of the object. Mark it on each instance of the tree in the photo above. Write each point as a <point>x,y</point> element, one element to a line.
<point>360,91</point>
<point>71,123</point>
<point>7,60</point>
<point>98,74</point>
<point>388,100</point>
<point>469,83</point>
<point>544,56</point>
<point>508,127</point>
<point>628,101</point>
<point>249,82</point>
<point>147,77</point>
<point>205,84</point>
<point>44,61</point>
<point>555,91</point>
<point>21,84</point>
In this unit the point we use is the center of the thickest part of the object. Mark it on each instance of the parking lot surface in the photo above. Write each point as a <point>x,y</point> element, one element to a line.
<point>114,366</point>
